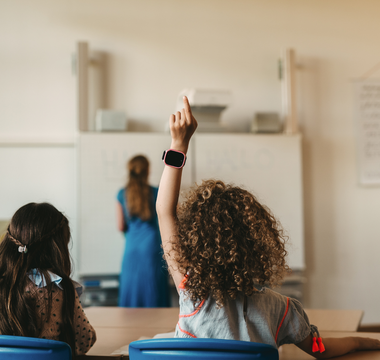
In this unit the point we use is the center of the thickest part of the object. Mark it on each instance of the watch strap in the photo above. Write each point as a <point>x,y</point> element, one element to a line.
<point>164,158</point>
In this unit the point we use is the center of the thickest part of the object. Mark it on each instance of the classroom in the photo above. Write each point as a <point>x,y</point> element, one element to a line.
<point>151,51</point>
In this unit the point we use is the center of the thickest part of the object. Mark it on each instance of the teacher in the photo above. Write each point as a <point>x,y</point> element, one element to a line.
<point>144,277</point>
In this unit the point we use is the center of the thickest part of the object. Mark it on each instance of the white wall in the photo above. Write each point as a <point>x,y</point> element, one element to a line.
<point>156,48</point>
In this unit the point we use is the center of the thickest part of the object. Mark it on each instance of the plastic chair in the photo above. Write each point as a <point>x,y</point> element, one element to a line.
<point>20,348</point>
<point>209,349</point>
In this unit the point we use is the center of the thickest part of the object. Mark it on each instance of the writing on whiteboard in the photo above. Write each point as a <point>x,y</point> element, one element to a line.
<point>367,114</point>
<point>235,158</point>
<point>114,164</point>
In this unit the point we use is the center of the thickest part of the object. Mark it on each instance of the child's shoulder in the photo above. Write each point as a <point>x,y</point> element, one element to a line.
<point>277,303</point>
<point>270,298</point>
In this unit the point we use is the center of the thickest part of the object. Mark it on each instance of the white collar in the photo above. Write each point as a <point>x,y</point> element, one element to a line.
<point>36,277</point>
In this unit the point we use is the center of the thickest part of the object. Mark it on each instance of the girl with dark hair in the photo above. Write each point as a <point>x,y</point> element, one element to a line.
<point>222,246</point>
<point>38,297</point>
<point>144,278</point>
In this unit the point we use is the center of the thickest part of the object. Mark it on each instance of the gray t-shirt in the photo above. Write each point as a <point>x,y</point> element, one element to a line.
<point>271,319</point>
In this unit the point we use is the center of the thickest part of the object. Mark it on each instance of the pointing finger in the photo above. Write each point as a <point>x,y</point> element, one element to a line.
<point>189,115</point>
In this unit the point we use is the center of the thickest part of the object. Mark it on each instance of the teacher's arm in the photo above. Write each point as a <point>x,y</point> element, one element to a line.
<point>121,226</point>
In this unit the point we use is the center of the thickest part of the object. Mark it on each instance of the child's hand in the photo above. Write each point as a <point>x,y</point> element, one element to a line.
<point>182,127</point>
<point>339,346</point>
<point>368,344</point>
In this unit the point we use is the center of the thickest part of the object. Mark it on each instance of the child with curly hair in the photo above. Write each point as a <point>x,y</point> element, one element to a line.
<point>222,246</point>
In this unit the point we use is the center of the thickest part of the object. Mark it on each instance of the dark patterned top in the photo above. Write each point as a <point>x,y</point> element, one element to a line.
<point>85,335</point>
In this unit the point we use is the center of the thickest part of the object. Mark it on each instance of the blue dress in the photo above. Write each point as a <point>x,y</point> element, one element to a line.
<point>144,276</point>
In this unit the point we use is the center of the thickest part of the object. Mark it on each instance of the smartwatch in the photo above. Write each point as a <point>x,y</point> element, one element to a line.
<point>174,158</point>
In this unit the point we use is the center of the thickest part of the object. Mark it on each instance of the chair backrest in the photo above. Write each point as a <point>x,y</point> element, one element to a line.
<point>209,349</point>
<point>20,348</point>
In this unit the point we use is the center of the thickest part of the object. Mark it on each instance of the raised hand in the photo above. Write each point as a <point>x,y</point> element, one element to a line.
<point>182,127</point>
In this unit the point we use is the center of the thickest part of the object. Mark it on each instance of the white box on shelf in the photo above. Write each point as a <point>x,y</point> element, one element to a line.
<point>110,120</point>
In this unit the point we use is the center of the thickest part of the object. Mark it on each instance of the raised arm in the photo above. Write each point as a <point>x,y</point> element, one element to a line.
<point>339,346</point>
<point>182,127</point>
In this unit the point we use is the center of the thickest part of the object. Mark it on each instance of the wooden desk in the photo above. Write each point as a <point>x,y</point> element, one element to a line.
<point>117,327</point>
<point>335,320</point>
<point>328,320</point>
<point>116,317</point>
<point>111,339</point>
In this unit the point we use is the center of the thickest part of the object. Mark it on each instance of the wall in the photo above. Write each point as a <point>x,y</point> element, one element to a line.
<point>156,48</point>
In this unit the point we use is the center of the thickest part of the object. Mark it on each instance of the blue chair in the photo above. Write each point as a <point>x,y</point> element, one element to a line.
<point>27,348</point>
<point>191,349</point>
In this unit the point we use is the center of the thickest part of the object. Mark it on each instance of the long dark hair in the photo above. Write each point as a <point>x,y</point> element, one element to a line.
<point>45,234</point>
<point>138,191</point>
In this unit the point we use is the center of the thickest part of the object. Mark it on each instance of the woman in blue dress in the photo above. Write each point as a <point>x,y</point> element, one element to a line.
<point>144,277</point>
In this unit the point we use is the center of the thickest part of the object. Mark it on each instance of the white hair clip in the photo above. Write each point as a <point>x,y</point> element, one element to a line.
<point>22,249</point>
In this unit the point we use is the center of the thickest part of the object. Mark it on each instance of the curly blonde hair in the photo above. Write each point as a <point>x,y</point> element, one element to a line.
<point>227,242</point>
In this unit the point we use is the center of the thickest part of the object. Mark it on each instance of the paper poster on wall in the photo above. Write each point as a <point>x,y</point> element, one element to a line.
<point>367,118</point>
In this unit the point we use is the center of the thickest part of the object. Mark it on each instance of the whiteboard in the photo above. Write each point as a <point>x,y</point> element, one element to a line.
<point>270,166</point>
<point>102,172</point>
<point>367,118</point>
<point>40,173</point>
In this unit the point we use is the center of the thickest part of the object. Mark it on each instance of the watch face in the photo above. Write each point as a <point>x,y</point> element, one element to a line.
<point>174,158</point>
